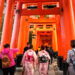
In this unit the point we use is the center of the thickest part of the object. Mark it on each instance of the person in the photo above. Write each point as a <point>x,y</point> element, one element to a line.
<point>26,48</point>
<point>10,69</point>
<point>51,54</point>
<point>38,50</point>
<point>1,72</point>
<point>43,61</point>
<point>71,59</point>
<point>29,61</point>
<point>47,49</point>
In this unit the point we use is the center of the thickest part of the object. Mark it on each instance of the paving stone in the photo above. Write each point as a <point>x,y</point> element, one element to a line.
<point>51,72</point>
<point>18,73</point>
<point>53,69</point>
<point>58,72</point>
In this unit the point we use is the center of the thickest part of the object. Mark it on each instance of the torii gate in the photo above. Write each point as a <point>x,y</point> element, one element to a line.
<point>42,33</point>
<point>65,19</point>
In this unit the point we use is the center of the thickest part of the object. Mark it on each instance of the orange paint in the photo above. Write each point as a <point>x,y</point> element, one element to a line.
<point>35,1</point>
<point>64,22</point>
<point>59,39</point>
<point>16,27</point>
<point>71,22</point>
<point>7,28</point>
<point>67,31</point>
<point>23,34</point>
<point>54,40</point>
<point>73,5</point>
<point>1,11</point>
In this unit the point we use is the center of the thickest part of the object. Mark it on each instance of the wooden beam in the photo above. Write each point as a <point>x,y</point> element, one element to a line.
<point>35,1</point>
<point>40,12</point>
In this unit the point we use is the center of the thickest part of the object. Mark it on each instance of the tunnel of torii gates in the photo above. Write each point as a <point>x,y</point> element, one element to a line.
<point>44,33</point>
<point>60,29</point>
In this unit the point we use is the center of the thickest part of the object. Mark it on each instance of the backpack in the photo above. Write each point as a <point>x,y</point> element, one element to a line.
<point>43,59</point>
<point>73,59</point>
<point>29,57</point>
<point>5,61</point>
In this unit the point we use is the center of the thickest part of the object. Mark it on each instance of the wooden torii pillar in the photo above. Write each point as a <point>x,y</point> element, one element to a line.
<point>34,38</point>
<point>23,34</point>
<point>67,26</point>
<point>16,27</point>
<point>73,6</point>
<point>7,26</point>
<point>38,40</point>
<point>1,11</point>
<point>71,15</point>
<point>59,39</point>
<point>54,39</point>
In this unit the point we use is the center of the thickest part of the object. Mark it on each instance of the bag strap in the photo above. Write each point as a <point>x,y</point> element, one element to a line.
<point>71,57</point>
<point>73,51</point>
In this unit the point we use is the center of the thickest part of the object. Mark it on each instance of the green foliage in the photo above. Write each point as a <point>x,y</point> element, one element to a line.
<point>30,37</point>
<point>1,27</point>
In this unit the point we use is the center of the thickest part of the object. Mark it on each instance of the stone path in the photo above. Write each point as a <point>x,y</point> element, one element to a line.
<point>53,70</point>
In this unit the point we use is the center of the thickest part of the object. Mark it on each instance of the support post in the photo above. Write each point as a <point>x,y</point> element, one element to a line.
<point>34,38</point>
<point>59,42</point>
<point>7,26</point>
<point>24,34</point>
<point>1,11</point>
<point>54,39</point>
<point>16,27</point>
<point>73,5</point>
<point>71,18</point>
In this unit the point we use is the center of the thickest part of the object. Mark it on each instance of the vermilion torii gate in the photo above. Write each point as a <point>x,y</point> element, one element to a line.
<point>65,22</point>
<point>44,34</point>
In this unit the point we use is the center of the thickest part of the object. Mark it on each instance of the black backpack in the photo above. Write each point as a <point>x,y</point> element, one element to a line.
<point>43,59</point>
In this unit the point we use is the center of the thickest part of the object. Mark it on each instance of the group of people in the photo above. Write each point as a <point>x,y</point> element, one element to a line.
<point>31,60</point>
<point>47,48</point>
